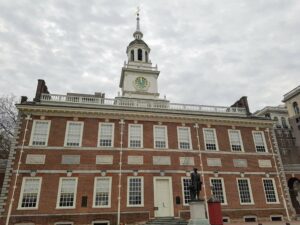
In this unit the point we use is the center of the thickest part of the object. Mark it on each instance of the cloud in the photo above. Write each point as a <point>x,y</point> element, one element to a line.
<point>209,52</point>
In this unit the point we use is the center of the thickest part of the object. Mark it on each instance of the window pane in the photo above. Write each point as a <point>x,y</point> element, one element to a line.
<point>210,139</point>
<point>184,137</point>
<point>106,135</point>
<point>74,134</point>
<point>40,132</point>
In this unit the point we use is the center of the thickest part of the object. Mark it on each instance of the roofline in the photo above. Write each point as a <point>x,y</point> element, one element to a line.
<point>291,93</point>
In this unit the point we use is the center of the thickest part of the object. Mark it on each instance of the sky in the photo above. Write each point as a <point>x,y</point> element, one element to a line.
<point>208,52</point>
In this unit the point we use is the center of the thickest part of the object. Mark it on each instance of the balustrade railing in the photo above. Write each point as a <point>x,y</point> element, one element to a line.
<point>136,103</point>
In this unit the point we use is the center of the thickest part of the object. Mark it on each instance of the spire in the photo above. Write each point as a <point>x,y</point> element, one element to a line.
<point>138,34</point>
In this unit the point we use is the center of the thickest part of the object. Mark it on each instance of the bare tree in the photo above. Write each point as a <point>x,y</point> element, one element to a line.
<point>8,120</point>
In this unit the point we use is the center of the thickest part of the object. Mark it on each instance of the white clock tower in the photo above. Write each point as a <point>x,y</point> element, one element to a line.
<point>139,77</point>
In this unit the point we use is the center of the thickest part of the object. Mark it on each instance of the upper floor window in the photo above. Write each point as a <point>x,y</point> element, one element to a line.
<point>146,56</point>
<point>210,139</point>
<point>102,192</point>
<point>66,197</point>
<point>132,55</point>
<point>140,54</point>
<point>135,191</point>
<point>277,122</point>
<point>296,108</point>
<point>245,191</point>
<point>135,136</point>
<point>283,122</point>
<point>106,134</point>
<point>184,138</point>
<point>218,189</point>
<point>259,141</point>
<point>160,137</point>
<point>73,134</point>
<point>270,190</point>
<point>235,139</point>
<point>30,192</point>
<point>40,132</point>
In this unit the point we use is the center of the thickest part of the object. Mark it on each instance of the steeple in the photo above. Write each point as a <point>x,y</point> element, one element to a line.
<point>138,34</point>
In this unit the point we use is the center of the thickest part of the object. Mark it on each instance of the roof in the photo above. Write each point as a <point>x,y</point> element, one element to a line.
<point>138,41</point>
<point>279,109</point>
<point>291,94</point>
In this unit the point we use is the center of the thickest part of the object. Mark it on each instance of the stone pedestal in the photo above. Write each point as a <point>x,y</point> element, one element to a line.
<point>198,213</point>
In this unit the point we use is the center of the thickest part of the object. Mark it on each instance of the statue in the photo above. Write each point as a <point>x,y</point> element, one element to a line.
<point>195,186</point>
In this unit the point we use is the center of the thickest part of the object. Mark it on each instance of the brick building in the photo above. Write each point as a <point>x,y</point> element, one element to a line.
<point>86,159</point>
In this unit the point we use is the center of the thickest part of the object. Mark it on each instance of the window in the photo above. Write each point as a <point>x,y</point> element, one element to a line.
<point>296,108</point>
<point>132,55</point>
<point>259,141</point>
<point>210,139</point>
<point>135,135</point>
<point>104,222</point>
<point>140,54</point>
<point>245,193</point>
<point>30,193</point>
<point>270,190</point>
<point>283,121</point>
<point>67,193</point>
<point>40,132</point>
<point>249,219</point>
<point>74,134</point>
<point>64,223</point>
<point>235,139</point>
<point>184,138</point>
<point>135,191</point>
<point>276,218</point>
<point>186,183</point>
<point>277,122</point>
<point>218,190</point>
<point>160,137</point>
<point>226,219</point>
<point>102,192</point>
<point>146,56</point>
<point>106,134</point>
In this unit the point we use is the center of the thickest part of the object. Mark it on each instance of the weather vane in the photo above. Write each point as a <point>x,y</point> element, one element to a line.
<point>137,11</point>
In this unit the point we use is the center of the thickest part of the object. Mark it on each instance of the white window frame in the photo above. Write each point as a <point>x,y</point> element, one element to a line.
<point>264,140</point>
<point>241,140</point>
<point>250,191</point>
<point>182,189</point>
<point>22,192</point>
<point>166,135</point>
<point>227,218</point>
<point>59,193</point>
<point>275,191</point>
<point>216,139</point>
<point>67,131</point>
<point>223,188</point>
<point>109,194</point>
<point>142,135</point>
<point>142,191</point>
<point>112,135</point>
<point>101,221</point>
<point>281,216</point>
<point>245,217</point>
<point>33,129</point>
<point>190,139</point>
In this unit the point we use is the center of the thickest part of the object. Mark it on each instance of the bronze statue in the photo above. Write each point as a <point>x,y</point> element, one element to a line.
<point>195,186</point>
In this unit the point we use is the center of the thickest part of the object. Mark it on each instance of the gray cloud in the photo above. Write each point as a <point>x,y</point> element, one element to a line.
<point>209,52</point>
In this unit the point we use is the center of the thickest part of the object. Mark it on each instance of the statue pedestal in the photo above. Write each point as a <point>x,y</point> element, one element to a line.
<point>198,213</point>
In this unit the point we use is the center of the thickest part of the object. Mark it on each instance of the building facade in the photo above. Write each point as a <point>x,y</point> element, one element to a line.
<point>86,159</point>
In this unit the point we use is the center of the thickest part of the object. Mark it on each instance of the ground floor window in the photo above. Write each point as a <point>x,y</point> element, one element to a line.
<point>186,183</point>
<point>101,223</point>
<point>276,218</point>
<point>250,218</point>
<point>218,189</point>
<point>135,191</point>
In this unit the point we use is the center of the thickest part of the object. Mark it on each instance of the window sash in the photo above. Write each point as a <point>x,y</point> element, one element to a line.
<point>210,139</point>
<point>135,191</point>
<point>102,192</point>
<point>218,189</point>
<point>184,138</point>
<point>186,183</point>
<point>67,193</point>
<point>40,132</point>
<point>74,133</point>
<point>245,191</point>
<point>160,137</point>
<point>30,193</point>
<point>106,134</point>
<point>135,136</point>
<point>259,141</point>
<point>235,140</point>
<point>270,191</point>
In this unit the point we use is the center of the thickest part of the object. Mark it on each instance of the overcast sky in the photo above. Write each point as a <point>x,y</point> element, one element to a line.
<point>208,52</point>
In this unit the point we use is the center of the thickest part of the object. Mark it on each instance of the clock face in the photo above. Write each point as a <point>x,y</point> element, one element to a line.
<point>141,83</point>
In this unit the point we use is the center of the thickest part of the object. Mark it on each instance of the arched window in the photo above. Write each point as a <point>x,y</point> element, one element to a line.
<point>140,54</point>
<point>146,56</point>
<point>132,55</point>
<point>277,122</point>
<point>296,108</point>
<point>283,122</point>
